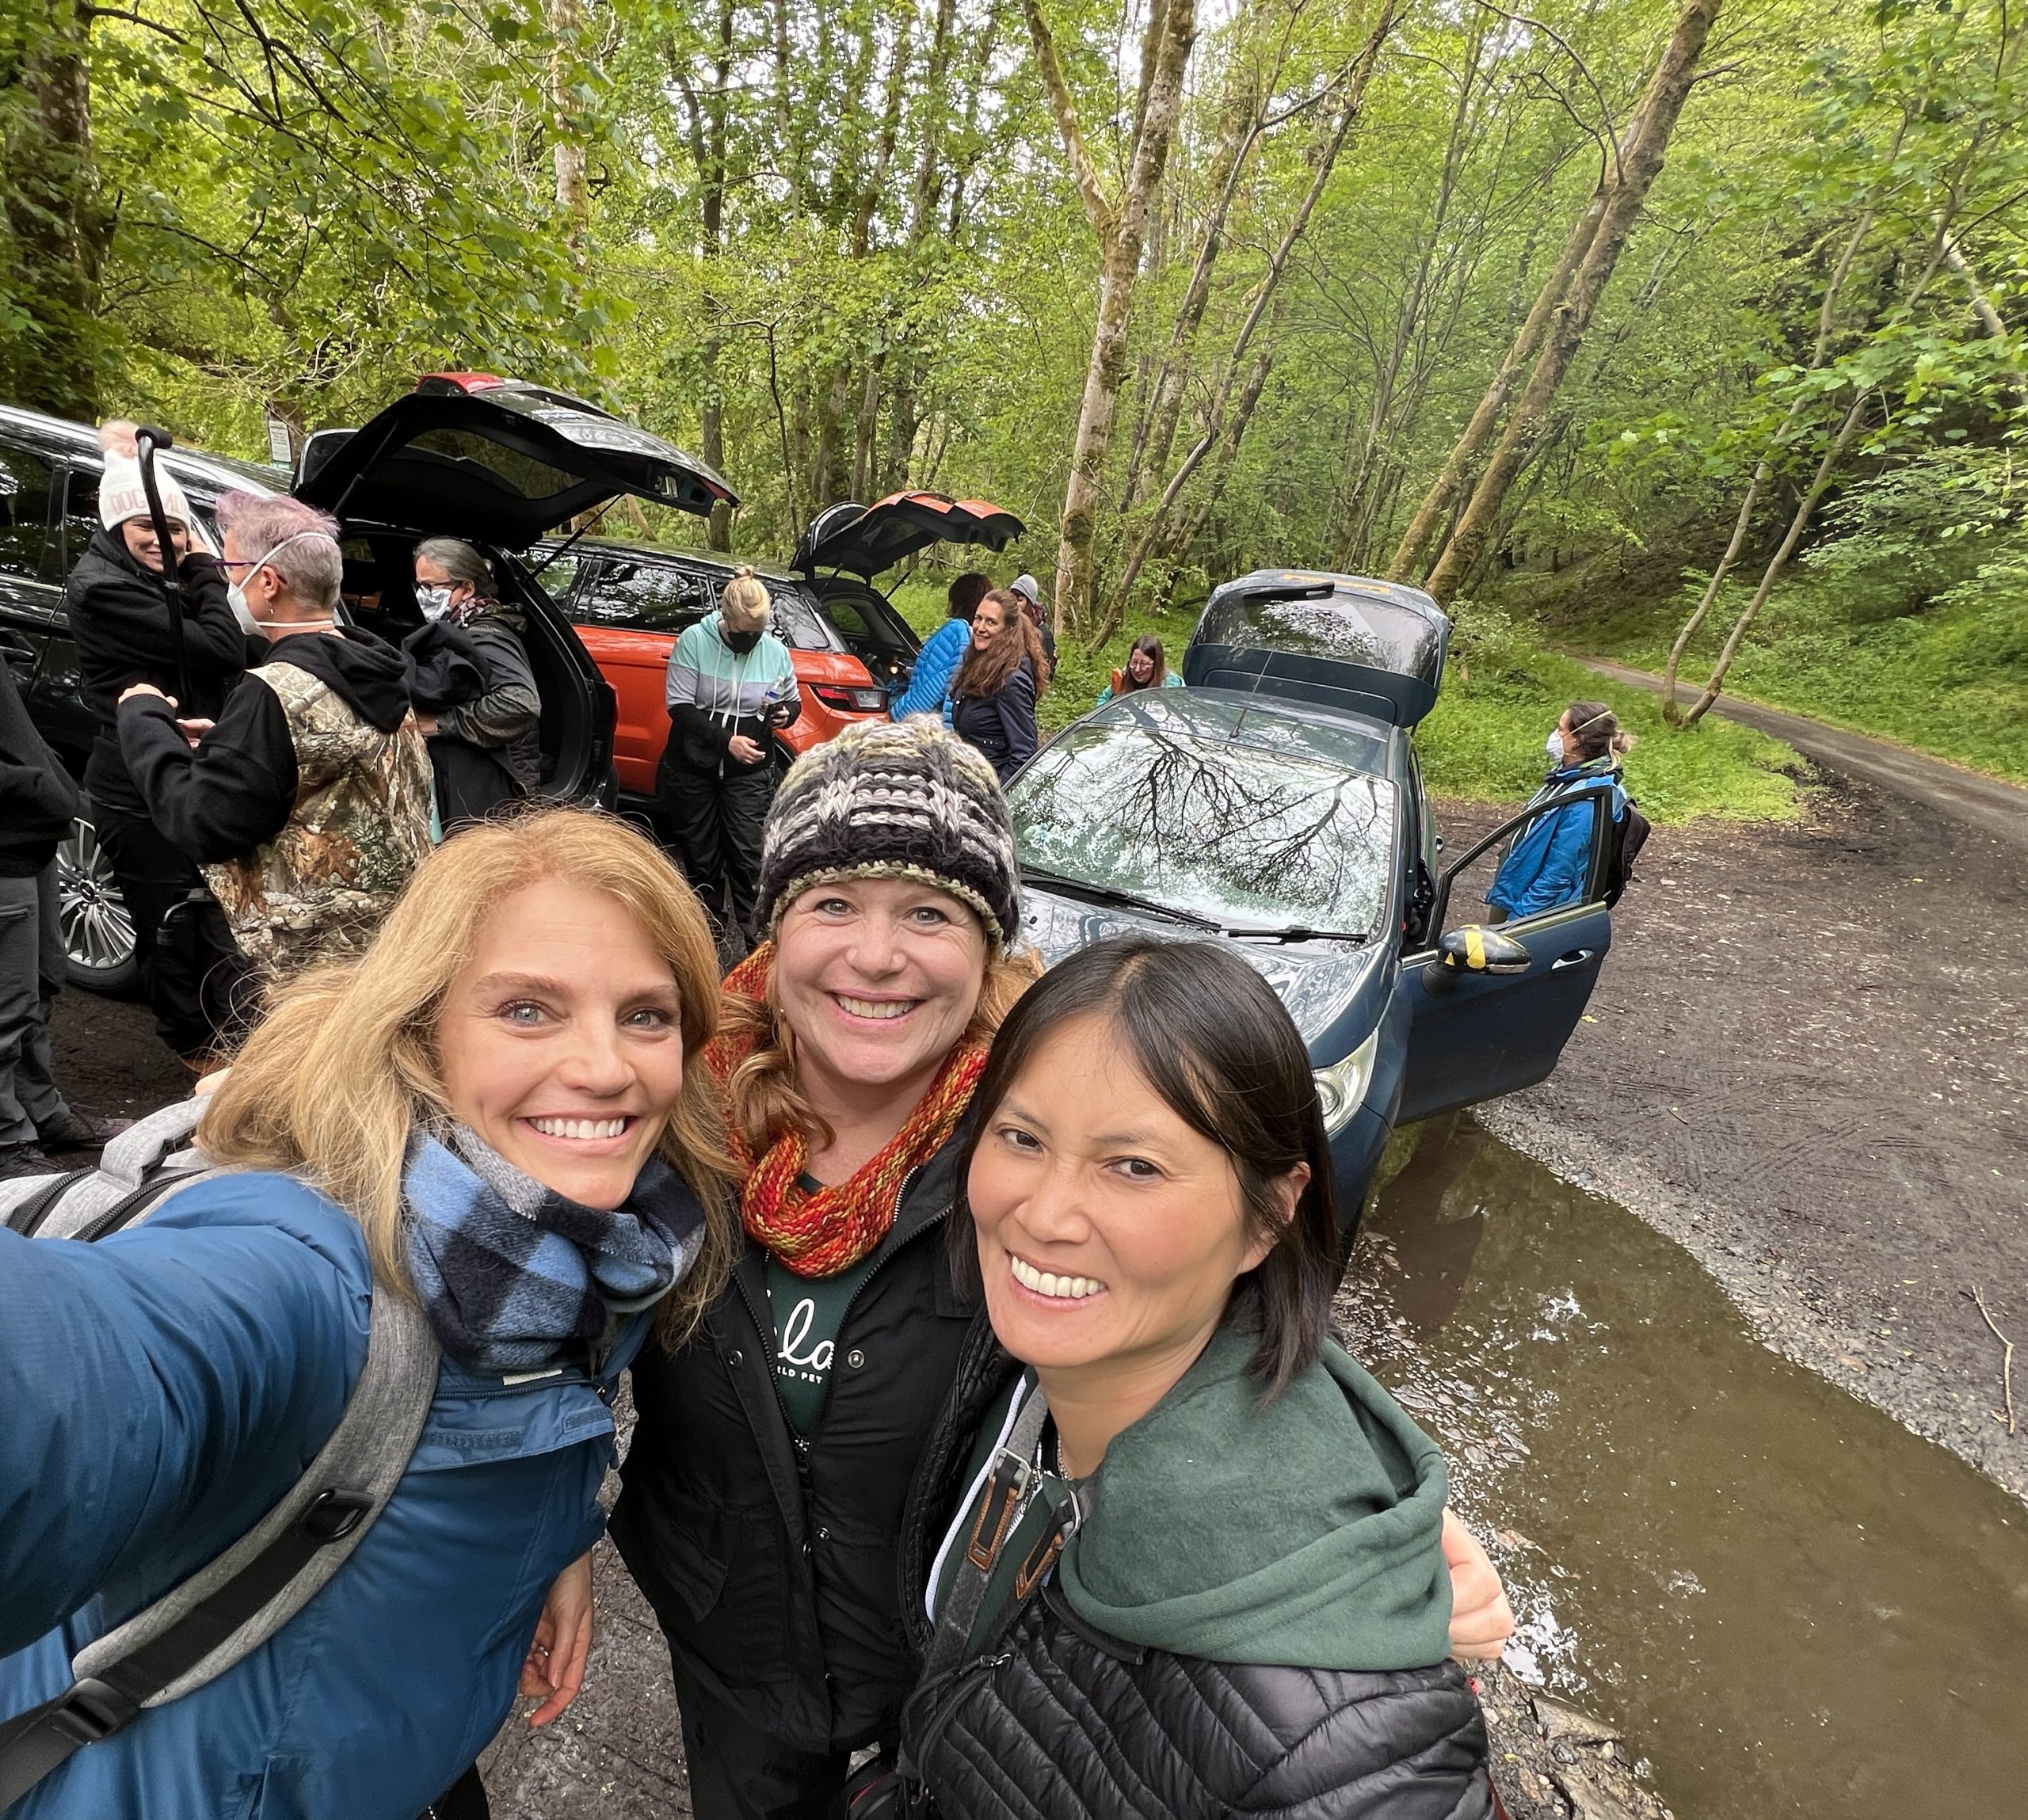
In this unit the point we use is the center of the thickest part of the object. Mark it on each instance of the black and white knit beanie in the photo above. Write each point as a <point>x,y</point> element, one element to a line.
<point>893,799</point>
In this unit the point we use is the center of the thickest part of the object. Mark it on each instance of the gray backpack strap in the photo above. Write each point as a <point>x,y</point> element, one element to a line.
<point>228,1608</point>
<point>65,1206</point>
<point>1000,1508</point>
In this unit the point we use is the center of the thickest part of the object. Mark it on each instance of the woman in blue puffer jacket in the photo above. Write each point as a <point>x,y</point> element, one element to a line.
<point>1547,864</point>
<point>489,1112</point>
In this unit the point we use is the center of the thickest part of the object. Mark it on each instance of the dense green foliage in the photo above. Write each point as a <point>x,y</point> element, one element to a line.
<point>840,248</point>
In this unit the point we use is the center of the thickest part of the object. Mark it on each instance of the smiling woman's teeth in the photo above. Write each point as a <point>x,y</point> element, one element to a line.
<point>579,1127</point>
<point>881,1008</point>
<point>1043,1283</point>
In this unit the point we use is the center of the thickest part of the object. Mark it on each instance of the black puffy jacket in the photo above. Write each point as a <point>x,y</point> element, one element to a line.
<point>1064,1722</point>
<point>120,623</point>
<point>774,1569</point>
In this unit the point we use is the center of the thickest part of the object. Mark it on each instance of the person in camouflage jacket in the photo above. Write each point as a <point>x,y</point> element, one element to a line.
<point>307,803</point>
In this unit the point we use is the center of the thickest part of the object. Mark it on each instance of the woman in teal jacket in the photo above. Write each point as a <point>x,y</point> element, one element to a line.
<point>490,1113</point>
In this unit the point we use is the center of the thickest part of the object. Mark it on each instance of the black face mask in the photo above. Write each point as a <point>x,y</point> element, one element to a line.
<point>740,641</point>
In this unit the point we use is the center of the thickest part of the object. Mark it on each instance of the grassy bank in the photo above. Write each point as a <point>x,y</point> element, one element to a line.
<point>1952,680</point>
<point>1483,742</point>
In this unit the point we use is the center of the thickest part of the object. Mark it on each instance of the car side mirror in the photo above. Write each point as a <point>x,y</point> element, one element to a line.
<point>1474,949</point>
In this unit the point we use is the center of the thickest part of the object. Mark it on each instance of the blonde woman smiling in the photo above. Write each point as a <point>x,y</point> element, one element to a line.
<point>495,1113</point>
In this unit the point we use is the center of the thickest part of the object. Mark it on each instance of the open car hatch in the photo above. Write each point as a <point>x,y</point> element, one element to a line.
<point>863,540</point>
<point>504,467</point>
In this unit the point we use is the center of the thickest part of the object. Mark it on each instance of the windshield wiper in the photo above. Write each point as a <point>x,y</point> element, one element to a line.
<point>1121,900</point>
<point>1297,933</point>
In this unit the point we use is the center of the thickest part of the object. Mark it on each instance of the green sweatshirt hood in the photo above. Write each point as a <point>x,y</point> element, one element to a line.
<point>1307,1533</point>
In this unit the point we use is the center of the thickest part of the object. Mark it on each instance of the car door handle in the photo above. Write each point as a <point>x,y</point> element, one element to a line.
<point>1576,958</point>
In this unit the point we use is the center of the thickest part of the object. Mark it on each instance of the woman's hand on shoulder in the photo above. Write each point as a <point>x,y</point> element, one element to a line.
<point>1481,1621</point>
<point>554,1670</point>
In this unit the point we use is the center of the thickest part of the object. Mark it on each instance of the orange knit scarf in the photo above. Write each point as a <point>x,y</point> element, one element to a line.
<point>820,1235</point>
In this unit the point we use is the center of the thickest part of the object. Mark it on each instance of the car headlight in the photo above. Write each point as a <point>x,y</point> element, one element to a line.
<point>1341,1088</point>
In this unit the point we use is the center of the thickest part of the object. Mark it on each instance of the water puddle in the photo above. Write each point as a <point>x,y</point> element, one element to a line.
<point>1792,1606</point>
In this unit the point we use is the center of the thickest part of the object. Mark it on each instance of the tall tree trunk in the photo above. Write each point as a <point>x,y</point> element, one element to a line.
<point>1239,125</point>
<point>1358,515</point>
<point>1263,297</point>
<point>1661,107</point>
<point>706,122</point>
<point>1120,229</point>
<point>1798,522</point>
<point>573,195</point>
<point>59,226</point>
<point>1827,322</point>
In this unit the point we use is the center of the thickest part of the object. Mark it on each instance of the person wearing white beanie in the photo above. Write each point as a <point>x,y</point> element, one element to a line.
<point>121,622</point>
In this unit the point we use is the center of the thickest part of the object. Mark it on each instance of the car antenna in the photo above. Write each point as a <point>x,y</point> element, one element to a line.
<point>146,442</point>
<point>585,530</point>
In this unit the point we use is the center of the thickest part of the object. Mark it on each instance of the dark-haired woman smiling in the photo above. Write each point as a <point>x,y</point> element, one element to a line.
<point>1196,1566</point>
<point>993,696</point>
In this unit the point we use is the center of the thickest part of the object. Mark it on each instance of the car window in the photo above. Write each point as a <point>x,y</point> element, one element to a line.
<point>647,597</point>
<point>523,475</point>
<point>1344,627</point>
<point>796,621</point>
<point>553,577</point>
<point>24,487</point>
<point>1235,832</point>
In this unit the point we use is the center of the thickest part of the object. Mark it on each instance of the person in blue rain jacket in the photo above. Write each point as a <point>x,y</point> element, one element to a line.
<point>516,1036</point>
<point>928,685</point>
<point>1546,865</point>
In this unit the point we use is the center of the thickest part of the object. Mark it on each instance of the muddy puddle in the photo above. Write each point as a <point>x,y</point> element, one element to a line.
<point>1791,1604</point>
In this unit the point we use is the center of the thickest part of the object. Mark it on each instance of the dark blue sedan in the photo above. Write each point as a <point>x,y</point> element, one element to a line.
<point>1275,803</point>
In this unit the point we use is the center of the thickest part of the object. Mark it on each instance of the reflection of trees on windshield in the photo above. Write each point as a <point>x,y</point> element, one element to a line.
<point>1236,832</point>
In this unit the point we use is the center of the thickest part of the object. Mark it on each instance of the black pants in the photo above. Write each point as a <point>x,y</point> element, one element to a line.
<point>739,1773</point>
<point>194,971</point>
<point>717,817</point>
<point>465,1799</point>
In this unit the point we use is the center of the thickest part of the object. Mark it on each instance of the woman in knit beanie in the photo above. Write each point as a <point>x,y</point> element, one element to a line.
<point>765,1483</point>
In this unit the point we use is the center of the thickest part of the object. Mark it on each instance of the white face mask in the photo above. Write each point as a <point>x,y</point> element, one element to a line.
<point>235,593</point>
<point>1554,748</point>
<point>435,601</point>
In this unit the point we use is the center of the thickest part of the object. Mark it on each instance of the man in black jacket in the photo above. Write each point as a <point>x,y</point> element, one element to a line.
<point>37,800</point>
<point>121,622</point>
<point>307,803</point>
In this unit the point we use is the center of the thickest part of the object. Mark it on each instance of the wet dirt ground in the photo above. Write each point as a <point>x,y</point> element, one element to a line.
<point>1780,1598</point>
<point>1807,1059</point>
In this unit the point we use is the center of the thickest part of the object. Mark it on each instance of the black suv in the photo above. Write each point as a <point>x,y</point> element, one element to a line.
<point>501,470</point>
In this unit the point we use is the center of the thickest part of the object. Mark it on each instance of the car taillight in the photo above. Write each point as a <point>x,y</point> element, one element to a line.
<point>849,700</point>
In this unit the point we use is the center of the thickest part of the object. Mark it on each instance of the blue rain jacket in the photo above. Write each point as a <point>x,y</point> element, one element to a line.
<point>1545,866</point>
<point>936,662</point>
<point>163,1387</point>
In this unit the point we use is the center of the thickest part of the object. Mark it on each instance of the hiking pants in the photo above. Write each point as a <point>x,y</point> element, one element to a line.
<point>189,962</point>
<point>32,967</point>
<point>717,817</point>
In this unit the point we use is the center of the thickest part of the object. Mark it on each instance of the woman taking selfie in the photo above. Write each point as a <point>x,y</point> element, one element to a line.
<point>1173,1553</point>
<point>764,1483</point>
<point>497,1113</point>
<point>994,691</point>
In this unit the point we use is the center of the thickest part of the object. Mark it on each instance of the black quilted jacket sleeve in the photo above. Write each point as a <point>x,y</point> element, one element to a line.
<point>1066,1724</point>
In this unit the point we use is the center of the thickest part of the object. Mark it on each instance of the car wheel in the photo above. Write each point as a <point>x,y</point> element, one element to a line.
<point>98,933</point>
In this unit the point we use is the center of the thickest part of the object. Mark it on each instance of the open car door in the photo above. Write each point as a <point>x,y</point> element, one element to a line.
<point>504,467</point>
<point>1475,1035</point>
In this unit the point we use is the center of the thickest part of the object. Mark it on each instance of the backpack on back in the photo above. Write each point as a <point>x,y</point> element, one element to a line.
<point>221,1613</point>
<point>1630,835</point>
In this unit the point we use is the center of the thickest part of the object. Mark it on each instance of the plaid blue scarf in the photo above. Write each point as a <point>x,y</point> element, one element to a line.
<point>511,1273</point>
